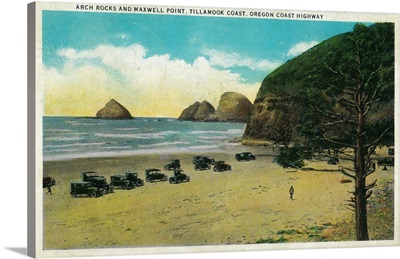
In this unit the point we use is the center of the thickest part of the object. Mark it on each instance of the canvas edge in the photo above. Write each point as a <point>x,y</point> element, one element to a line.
<point>34,192</point>
<point>31,50</point>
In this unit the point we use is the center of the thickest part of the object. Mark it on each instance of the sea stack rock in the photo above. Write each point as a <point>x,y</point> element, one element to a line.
<point>204,111</point>
<point>188,113</point>
<point>233,107</point>
<point>197,112</point>
<point>114,111</point>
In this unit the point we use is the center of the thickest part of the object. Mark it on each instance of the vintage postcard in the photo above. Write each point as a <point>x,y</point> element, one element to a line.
<point>171,129</point>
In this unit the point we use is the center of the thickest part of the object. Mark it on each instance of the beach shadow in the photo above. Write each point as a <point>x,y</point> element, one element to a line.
<point>19,250</point>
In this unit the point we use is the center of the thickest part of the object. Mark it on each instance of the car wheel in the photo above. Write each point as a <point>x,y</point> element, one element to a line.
<point>92,194</point>
<point>188,178</point>
<point>165,178</point>
<point>73,194</point>
<point>127,187</point>
<point>147,179</point>
<point>170,180</point>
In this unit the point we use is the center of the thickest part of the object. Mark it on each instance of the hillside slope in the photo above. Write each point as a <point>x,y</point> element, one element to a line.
<point>286,95</point>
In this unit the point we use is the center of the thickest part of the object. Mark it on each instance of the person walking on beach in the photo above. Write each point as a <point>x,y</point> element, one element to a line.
<point>48,189</point>
<point>291,192</point>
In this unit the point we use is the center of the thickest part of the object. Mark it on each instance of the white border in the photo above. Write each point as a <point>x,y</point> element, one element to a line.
<point>328,16</point>
<point>14,218</point>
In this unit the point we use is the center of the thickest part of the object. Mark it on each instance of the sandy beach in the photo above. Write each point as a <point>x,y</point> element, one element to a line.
<point>242,206</point>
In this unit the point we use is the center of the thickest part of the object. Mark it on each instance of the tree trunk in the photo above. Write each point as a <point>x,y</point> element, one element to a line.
<point>361,170</point>
<point>360,195</point>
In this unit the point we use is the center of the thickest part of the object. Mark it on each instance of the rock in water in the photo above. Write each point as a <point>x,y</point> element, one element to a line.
<point>233,107</point>
<point>115,111</point>
<point>189,112</point>
<point>204,111</point>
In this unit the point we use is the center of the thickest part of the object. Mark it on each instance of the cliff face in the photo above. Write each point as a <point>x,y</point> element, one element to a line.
<point>115,111</point>
<point>274,118</point>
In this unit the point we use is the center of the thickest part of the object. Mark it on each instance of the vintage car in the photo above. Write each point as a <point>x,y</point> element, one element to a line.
<point>245,156</point>
<point>120,181</point>
<point>154,174</point>
<point>220,166</point>
<point>48,181</point>
<point>134,179</point>
<point>179,177</point>
<point>85,188</point>
<point>98,181</point>
<point>174,164</point>
<point>201,165</point>
<point>204,159</point>
<point>386,161</point>
<point>333,160</point>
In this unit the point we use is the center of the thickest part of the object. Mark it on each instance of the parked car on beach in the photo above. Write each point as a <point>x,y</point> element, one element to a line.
<point>179,177</point>
<point>98,181</point>
<point>154,174</point>
<point>204,159</point>
<point>122,182</point>
<point>174,164</point>
<point>333,160</point>
<point>245,156</point>
<point>201,165</point>
<point>220,166</point>
<point>134,179</point>
<point>85,188</point>
<point>386,161</point>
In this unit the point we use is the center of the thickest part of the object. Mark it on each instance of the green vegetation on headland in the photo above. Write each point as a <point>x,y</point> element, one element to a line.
<point>282,110</point>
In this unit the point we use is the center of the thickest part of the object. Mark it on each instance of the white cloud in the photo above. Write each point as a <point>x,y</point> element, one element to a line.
<point>154,85</point>
<point>301,47</point>
<point>228,60</point>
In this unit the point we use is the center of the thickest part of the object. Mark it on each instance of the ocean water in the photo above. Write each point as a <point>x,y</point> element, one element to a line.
<point>79,137</point>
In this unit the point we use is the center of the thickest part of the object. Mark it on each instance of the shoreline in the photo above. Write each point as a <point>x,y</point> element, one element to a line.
<point>227,148</point>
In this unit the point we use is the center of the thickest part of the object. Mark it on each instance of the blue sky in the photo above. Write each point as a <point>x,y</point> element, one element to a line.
<point>231,53</point>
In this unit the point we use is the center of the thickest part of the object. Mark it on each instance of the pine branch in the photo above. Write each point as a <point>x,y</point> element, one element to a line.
<point>351,207</point>
<point>340,72</point>
<point>370,186</point>
<point>353,193</point>
<point>368,194</point>
<point>348,169</point>
<point>347,174</point>
<point>345,101</point>
<point>376,141</point>
<point>337,142</point>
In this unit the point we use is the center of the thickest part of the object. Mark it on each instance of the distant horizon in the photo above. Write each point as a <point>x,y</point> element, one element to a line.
<point>157,65</point>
